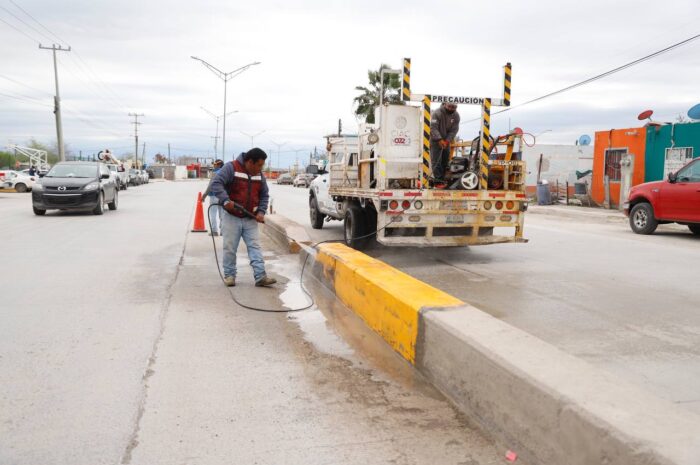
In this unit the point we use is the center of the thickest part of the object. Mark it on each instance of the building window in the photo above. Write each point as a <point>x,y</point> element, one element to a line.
<point>677,158</point>
<point>613,157</point>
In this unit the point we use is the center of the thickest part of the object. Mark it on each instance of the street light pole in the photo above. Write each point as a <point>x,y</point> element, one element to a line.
<point>252,137</point>
<point>279,146</point>
<point>225,77</point>
<point>217,118</point>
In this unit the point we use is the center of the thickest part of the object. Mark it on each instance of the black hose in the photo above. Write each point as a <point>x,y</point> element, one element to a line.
<point>303,267</point>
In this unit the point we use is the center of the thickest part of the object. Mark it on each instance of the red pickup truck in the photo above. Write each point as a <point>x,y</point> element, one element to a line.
<point>676,200</point>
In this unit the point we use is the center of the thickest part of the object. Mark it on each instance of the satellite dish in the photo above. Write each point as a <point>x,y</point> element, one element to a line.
<point>584,140</point>
<point>645,115</point>
<point>694,113</point>
<point>518,131</point>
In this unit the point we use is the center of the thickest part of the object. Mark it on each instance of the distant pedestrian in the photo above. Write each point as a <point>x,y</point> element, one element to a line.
<point>242,182</point>
<point>32,170</point>
<point>216,212</point>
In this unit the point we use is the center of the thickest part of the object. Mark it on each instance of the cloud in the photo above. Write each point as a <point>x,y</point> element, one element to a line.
<point>135,56</point>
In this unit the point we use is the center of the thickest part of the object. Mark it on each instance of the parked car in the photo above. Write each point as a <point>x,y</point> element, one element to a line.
<point>144,176</point>
<point>10,179</point>
<point>303,180</point>
<point>134,177</point>
<point>76,185</point>
<point>121,176</point>
<point>676,200</point>
<point>285,178</point>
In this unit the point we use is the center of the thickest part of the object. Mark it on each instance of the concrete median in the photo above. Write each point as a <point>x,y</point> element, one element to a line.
<point>548,406</point>
<point>286,232</point>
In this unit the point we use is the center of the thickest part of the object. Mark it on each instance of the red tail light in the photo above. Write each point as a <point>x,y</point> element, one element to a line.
<point>393,205</point>
<point>499,205</point>
<point>405,204</point>
<point>510,205</point>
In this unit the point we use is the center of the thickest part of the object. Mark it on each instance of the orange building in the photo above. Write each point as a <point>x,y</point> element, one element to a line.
<point>610,147</point>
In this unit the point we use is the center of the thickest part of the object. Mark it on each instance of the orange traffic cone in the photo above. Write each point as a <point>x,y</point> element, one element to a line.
<point>199,216</point>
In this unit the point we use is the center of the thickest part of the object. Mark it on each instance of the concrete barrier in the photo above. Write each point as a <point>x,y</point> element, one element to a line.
<point>548,406</point>
<point>286,232</point>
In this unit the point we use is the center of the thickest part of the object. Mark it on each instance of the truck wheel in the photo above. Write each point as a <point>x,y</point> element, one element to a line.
<point>39,211</point>
<point>114,203</point>
<point>314,214</point>
<point>642,219</point>
<point>355,228</point>
<point>100,207</point>
<point>20,187</point>
<point>695,229</point>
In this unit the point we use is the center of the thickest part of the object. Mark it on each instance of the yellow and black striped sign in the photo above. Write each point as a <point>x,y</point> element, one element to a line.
<point>485,142</point>
<point>426,141</point>
<point>506,84</point>
<point>406,83</point>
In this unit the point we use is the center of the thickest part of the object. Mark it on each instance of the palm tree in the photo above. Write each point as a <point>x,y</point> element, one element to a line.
<point>368,100</point>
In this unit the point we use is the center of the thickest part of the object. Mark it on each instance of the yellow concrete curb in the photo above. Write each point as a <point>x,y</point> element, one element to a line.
<point>388,300</point>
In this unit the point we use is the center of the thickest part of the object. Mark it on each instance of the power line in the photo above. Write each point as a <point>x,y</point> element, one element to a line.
<point>26,99</point>
<point>20,31</point>
<point>37,21</point>
<point>599,76</point>
<point>26,23</point>
<point>24,85</point>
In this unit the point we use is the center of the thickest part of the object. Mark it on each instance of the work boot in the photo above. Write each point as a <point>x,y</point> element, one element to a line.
<point>264,282</point>
<point>230,281</point>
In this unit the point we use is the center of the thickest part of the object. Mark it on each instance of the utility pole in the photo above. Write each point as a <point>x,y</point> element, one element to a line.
<point>57,101</point>
<point>143,154</point>
<point>169,161</point>
<point>136,136</point>
<point>225,77</point>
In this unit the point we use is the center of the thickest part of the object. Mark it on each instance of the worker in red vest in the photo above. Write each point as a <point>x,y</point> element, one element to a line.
<point>242,189</point>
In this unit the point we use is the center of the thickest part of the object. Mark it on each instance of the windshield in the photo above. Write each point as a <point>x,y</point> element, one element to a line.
<point>73,171</point>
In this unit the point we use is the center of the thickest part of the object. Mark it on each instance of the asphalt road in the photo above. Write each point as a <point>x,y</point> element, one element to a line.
<point>119,345</point>
<point>584,283</point>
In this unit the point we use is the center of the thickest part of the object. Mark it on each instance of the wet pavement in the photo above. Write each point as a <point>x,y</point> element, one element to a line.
<point>119,344</point>
<point>584,283</point>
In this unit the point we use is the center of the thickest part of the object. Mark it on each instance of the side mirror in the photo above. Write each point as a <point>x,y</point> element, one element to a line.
<point>671,177</point>
<point>41,175</point>
<point>105,176</point>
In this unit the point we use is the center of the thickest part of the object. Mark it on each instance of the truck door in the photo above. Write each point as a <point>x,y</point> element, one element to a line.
<point>681,199</point>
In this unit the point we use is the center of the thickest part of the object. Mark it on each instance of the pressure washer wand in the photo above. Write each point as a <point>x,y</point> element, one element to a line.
<point>243,209</point>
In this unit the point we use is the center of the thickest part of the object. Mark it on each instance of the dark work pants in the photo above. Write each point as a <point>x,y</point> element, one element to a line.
<point>439,159</point>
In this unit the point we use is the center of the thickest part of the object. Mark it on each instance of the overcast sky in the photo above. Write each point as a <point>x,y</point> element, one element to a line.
<point>131,56</point>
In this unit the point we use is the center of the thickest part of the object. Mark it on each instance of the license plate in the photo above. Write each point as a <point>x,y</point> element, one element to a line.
<point>455,219</point>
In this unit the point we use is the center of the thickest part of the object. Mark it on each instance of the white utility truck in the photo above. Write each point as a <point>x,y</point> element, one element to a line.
<point>380,180</point>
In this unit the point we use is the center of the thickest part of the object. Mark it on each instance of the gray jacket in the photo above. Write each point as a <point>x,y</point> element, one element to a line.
<point>443,126</point>
<point>226,176</point>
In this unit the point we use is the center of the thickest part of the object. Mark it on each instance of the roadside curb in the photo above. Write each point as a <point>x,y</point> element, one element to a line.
<point>550,407</point>
<point>577,212</point>
<point>287,233</point>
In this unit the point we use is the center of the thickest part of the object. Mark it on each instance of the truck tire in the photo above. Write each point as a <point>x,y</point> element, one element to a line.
<point>115,202</point>
<point>371,216</point>
<point>315,215</point>
<point>21,187</point>
<point>642,219</point>
<point>695,229</point>
<point>100,207</point>
<point>355,228</point>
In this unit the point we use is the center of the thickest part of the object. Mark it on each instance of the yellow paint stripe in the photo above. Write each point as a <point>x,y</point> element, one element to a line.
<point>388,300</point>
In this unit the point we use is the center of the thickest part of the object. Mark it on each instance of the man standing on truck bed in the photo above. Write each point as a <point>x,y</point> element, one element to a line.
<point>242,182</point>
<point>444,126</point>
